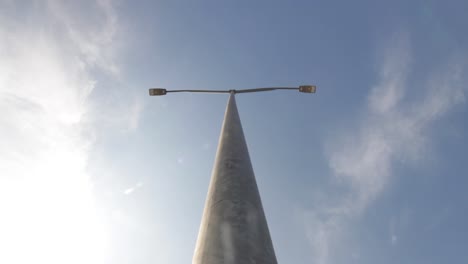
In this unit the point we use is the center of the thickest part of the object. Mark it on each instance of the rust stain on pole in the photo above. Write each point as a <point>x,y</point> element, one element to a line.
<point>233,229</point>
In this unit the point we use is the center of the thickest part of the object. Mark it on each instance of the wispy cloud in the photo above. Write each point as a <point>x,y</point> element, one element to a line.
<point>78,21</point>
<point>46,62</point>
<point>130,190</point>
<point>393,128</point>
<point>121,113</point>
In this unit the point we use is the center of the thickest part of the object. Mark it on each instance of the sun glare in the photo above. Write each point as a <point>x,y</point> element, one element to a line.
<point>48,212</point>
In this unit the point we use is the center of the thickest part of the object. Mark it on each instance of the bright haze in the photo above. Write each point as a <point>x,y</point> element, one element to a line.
<point>371,169</point>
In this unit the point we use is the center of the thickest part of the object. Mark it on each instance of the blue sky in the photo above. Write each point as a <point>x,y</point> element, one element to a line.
<point>370,169</point>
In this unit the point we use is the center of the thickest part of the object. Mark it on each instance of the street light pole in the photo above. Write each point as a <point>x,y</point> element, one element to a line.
<point>234,229</point>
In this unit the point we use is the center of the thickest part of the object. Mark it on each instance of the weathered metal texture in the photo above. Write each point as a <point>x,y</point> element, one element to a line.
<point>233,228</point>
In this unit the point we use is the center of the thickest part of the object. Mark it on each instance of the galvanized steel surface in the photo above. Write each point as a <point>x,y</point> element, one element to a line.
<point>233,228</point>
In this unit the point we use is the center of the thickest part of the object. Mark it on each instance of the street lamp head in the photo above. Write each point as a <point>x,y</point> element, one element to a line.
<point>157,91</point>
<point>307,88</point>
<point>302,89</point>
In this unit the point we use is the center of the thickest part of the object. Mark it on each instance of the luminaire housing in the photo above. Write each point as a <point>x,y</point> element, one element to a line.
<point>157,91</point>
<point>307,88</point>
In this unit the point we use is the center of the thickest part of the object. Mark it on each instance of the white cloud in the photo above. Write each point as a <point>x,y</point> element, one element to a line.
<point>122,114</point>
<point>393,128</point>
<point>95,44</point>
<point>130,190</point>
<point>46,60</point>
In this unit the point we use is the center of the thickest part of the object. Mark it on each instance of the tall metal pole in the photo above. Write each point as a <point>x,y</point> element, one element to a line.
<point>233,229</point>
